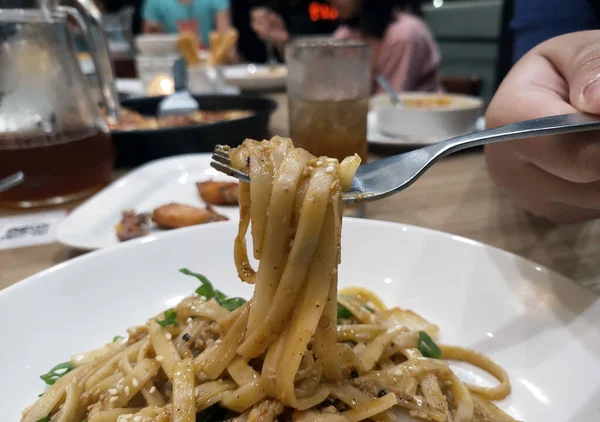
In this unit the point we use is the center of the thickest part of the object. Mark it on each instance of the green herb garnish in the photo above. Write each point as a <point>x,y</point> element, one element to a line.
<point>118,338</point>
<point>170,316</point>
<point>207,291</point>
<point>232,303</point>
<point>428,347</point>
<point>55,373</point>
<point>44,419</point>
<point>343,312</point>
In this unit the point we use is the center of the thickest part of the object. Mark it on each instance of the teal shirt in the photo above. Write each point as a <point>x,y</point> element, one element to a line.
<point>167,13</point>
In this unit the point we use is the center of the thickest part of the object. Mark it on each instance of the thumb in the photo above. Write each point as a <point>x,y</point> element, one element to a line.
<point>577,57</point>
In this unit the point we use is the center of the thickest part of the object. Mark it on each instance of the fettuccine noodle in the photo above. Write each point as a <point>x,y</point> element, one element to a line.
<point>298,350</point>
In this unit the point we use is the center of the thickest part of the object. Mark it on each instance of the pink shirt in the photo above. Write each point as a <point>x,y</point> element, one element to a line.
<point>407,55</point>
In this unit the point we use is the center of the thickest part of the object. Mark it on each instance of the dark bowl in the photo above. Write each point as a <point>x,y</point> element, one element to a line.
<point>140,146</point>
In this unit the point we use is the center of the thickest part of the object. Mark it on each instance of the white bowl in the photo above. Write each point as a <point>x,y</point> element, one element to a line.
<point>542,328</point>
<point>256,77</point>
<point>157,44</point>
<point>457,116</point>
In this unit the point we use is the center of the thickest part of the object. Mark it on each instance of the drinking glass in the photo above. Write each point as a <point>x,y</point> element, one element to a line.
<point>328,85</point>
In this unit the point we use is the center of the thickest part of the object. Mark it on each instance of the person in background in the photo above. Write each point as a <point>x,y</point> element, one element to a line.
<point>556,177</point>
<point>199,16</point>
<point>535,21</point>
<point>403,48</point>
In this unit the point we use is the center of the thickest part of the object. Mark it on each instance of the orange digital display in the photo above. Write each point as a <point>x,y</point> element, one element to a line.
<point>322,12</point>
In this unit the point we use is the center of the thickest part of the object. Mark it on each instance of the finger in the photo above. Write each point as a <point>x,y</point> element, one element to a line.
<point>533,89</point>
<point>576,56</point>
<point>575,158</point>
<point>526,180</point>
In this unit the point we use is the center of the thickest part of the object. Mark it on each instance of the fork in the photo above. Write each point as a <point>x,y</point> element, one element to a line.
<point>381,178</point>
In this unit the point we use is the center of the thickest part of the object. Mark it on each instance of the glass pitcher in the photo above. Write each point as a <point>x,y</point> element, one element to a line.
<point>50,128</point>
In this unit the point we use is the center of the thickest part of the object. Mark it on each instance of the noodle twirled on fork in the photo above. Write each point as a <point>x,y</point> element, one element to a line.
<point>298,350</point>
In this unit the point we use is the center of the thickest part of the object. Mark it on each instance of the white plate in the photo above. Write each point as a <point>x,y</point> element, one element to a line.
<point>374,135</point>
<point>173,179</point>
<point>541,327</point>
<point>255,77</point>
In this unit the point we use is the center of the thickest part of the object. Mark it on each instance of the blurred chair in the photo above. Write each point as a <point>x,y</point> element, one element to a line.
<point>471,85</point>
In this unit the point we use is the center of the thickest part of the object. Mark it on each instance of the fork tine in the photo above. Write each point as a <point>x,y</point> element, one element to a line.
<point>230,171</point>
<point>222,150</point>
<point>221,159</point>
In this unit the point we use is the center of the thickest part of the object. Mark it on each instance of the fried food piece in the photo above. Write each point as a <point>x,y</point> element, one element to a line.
<point>173,216</point>
<point>219,193</point>
<point>132,225</point>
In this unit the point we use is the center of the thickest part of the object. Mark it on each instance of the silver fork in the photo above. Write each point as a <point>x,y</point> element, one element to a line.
<point>381,178</point>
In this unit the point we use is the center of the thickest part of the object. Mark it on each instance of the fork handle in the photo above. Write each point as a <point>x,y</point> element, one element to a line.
<point>552,125</point>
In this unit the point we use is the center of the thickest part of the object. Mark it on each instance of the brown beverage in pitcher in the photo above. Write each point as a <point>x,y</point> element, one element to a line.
<point>50,126</point>
<point>55,172</point>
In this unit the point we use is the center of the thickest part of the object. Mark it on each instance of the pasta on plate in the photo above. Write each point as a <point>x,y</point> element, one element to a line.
<point>298,350</point>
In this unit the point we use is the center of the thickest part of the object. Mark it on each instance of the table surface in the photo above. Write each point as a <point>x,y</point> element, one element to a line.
<point>455,196</point>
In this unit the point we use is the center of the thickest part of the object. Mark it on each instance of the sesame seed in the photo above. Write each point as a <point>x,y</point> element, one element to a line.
<point>153,390</point>
<point>187,337</point>
<point>120,388</point>
<point>102,396</point>
<point>127,390</point>
<point>113,391</point>
<point>134,381</point>
<point>160,358</point>
<point>330,169</point>
<point>169,336</point>
<point>189,320</point>
<point>120,381</point>
<point>137,418</point>
<point>331,160</point>
<point>113,399</point>
<point>320,162</point>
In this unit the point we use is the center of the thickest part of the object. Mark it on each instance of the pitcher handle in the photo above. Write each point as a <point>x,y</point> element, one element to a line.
<point>96,39</point>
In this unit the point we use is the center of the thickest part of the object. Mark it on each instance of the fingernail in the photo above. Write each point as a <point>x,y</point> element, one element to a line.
<point>591,95</point>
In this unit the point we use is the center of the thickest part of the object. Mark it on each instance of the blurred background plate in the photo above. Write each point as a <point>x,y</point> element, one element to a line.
<point>140,146</point>
<point>256,77</point>
<point>92,225</point>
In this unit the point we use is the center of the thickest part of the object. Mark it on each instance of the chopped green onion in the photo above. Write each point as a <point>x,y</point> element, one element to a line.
<point>207,291</point>
<point>44,419</point>
<point>170,316</point>
<point>55,373</point>
<point>232,303</point>
<point>343,312</point>
<point>428,347</point>
<point>118,338</point>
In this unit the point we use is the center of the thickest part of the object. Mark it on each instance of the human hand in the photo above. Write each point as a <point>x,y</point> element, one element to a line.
<point>556,177</point>
<point>269,27</point>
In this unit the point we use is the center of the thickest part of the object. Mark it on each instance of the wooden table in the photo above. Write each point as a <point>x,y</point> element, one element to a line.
<point>455,196</point>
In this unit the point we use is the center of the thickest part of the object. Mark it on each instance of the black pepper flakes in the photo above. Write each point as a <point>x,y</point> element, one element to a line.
<point>187,337</point>
<point>381,393</point>
<point>354,374</point>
